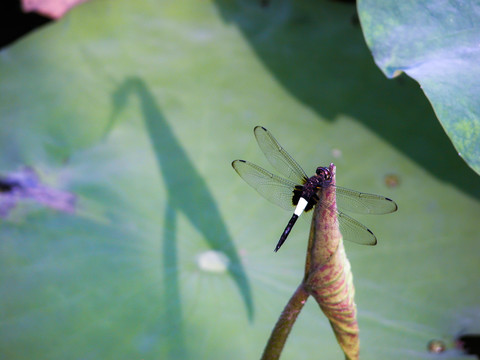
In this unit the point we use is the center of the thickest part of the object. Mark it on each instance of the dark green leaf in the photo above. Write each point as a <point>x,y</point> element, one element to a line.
<point>436,43</point>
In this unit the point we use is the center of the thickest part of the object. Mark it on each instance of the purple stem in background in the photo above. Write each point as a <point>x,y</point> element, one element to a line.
<point>25,184</point>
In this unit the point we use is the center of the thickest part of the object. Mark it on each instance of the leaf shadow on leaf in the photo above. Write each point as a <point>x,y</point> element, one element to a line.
<point>189,194</point>
<point>318,54</point>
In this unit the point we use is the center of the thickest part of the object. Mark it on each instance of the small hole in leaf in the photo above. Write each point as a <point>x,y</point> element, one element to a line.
<point>436,346</point>
<point>336,153</point>
<point>392,180</point>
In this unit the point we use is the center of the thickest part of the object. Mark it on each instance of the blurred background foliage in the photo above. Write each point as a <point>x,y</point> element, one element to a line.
<point>138,108</point>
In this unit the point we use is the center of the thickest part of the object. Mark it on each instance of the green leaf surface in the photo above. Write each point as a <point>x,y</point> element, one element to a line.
<point>138,109</point>
<point>436,43</point>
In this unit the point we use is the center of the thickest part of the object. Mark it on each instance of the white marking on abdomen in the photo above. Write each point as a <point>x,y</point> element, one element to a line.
<point>302,204</point>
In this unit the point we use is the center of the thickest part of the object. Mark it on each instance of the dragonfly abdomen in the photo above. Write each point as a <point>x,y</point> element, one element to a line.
<point>287,230</point>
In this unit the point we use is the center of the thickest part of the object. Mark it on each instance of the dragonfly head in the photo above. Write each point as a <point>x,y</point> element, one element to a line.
<point>324,174</point>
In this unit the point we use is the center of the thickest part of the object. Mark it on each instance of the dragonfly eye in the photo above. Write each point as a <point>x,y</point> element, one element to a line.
<point>324,173</point>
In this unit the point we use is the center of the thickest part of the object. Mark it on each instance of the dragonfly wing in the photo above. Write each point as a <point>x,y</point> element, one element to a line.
<point>278,157</point>
<point>354,231</point>
<point>272,187</point>
<point>363,203</point>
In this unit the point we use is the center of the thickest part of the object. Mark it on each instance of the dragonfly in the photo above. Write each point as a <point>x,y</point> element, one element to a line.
<point>295,190</point>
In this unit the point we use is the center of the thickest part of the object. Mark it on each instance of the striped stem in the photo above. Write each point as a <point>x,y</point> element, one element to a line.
<point>328,276</point>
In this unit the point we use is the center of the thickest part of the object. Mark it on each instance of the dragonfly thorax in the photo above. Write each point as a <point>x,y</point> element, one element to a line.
<point>311,188</point>
<point>322,179</point>
<point>324,173</point>
<point>315,183</point>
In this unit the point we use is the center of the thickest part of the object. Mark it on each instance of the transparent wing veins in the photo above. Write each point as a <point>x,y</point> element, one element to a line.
<point>354,231</point>
<point>278,157</point>
<point>351,229</point>
<point>272,187</point>
<point>279,191</point>
<point>364,203</point>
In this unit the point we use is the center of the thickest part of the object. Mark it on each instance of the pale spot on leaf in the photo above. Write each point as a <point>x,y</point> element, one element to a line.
<point>213,261</point>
